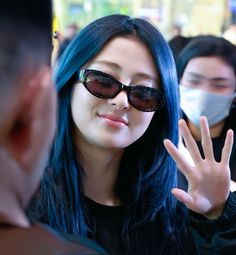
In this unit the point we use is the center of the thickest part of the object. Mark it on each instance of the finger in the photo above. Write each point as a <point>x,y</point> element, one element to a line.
<point>183,197</point>
<point>189,142</point>
<point>227,149</point>
<point>206,139</point>
<point>181,162</point>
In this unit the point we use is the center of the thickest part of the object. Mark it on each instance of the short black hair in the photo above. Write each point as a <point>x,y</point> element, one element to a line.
<point>207,46</point>
<point>26,32</point>
<point>39,13</point>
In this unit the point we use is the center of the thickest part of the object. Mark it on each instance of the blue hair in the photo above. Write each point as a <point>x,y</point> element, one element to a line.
<point>147,172</point>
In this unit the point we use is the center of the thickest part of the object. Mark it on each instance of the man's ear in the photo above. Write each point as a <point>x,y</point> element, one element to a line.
<point>28,125</point>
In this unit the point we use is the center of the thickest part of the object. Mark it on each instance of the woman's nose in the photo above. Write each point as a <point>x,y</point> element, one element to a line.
<point>120,101</point>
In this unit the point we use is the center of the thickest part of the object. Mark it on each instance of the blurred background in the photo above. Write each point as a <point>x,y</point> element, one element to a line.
<point>186,17</point>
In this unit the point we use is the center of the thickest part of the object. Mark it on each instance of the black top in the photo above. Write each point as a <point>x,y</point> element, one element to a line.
<point>105,223</point>
<point>201,236</point>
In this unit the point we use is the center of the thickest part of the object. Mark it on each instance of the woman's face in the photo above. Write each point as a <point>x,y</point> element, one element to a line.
<point>211,74</point>
<point>114,123</point>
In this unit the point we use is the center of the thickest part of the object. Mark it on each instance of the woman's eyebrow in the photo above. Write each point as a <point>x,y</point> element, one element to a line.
<point>117,67</point>
<point>200,76</point>
<point>196,75</point>
<point>147,77</point>
<point>108,63</point>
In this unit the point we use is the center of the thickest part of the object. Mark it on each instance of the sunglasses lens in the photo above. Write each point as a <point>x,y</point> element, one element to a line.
<point>100,85</point>
<point>146,99</point>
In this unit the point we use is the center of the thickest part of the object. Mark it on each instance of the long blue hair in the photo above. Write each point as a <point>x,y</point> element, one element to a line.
<point>147,173</point>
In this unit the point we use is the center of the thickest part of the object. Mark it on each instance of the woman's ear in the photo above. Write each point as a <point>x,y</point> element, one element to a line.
<point>27,138</point>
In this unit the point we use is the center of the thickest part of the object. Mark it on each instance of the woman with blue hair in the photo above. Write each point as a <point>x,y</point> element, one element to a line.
<point>110,176</point>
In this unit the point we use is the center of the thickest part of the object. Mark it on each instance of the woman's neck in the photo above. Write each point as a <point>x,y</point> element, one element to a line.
<point>101,168</point>
<point>215,131</point>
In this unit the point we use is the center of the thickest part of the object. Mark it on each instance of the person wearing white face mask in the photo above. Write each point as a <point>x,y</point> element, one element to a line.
<point>198,102</point>
<point>207,76</point>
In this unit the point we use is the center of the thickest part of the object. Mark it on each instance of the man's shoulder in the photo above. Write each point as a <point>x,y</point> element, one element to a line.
<point>38,239</point>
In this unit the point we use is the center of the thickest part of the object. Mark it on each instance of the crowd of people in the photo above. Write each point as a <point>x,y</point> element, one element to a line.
<point>123,153</point>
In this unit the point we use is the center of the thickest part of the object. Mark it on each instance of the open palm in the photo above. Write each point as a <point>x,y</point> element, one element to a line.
<point>208,180</point>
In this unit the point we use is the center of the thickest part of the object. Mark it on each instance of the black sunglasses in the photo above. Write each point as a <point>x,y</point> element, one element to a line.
<point>104,86</point>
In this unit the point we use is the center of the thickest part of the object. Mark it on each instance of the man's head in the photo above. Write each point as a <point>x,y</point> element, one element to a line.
<point>27,98</point>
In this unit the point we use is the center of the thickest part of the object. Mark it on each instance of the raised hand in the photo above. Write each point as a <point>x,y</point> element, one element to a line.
<point>208,180</point>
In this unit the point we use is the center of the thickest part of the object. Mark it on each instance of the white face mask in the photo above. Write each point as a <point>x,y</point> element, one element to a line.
<point>197,102</point>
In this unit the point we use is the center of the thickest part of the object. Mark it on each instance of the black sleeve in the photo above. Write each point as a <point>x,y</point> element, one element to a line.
<point>218,236</point>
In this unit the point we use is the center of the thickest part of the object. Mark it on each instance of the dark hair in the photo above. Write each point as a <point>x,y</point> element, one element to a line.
<point>177,44</point>
<point>147,173</point>
<point>25,30</point>
<point>207,46</point>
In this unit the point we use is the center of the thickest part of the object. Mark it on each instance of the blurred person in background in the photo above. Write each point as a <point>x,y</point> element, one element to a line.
<point>27,125</point>
<point>109,176</point>
<point>230,33</point>
<point>66,37</point>
<point>178,41</point>
<point>207,76</point>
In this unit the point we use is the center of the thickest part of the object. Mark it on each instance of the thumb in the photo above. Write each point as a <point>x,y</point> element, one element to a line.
<point>183,197</point>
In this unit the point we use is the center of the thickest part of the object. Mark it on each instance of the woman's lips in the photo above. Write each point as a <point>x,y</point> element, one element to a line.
<point>114,118</point>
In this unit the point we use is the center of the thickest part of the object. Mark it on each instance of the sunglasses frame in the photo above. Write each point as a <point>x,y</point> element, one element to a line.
<point>83,74</point>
